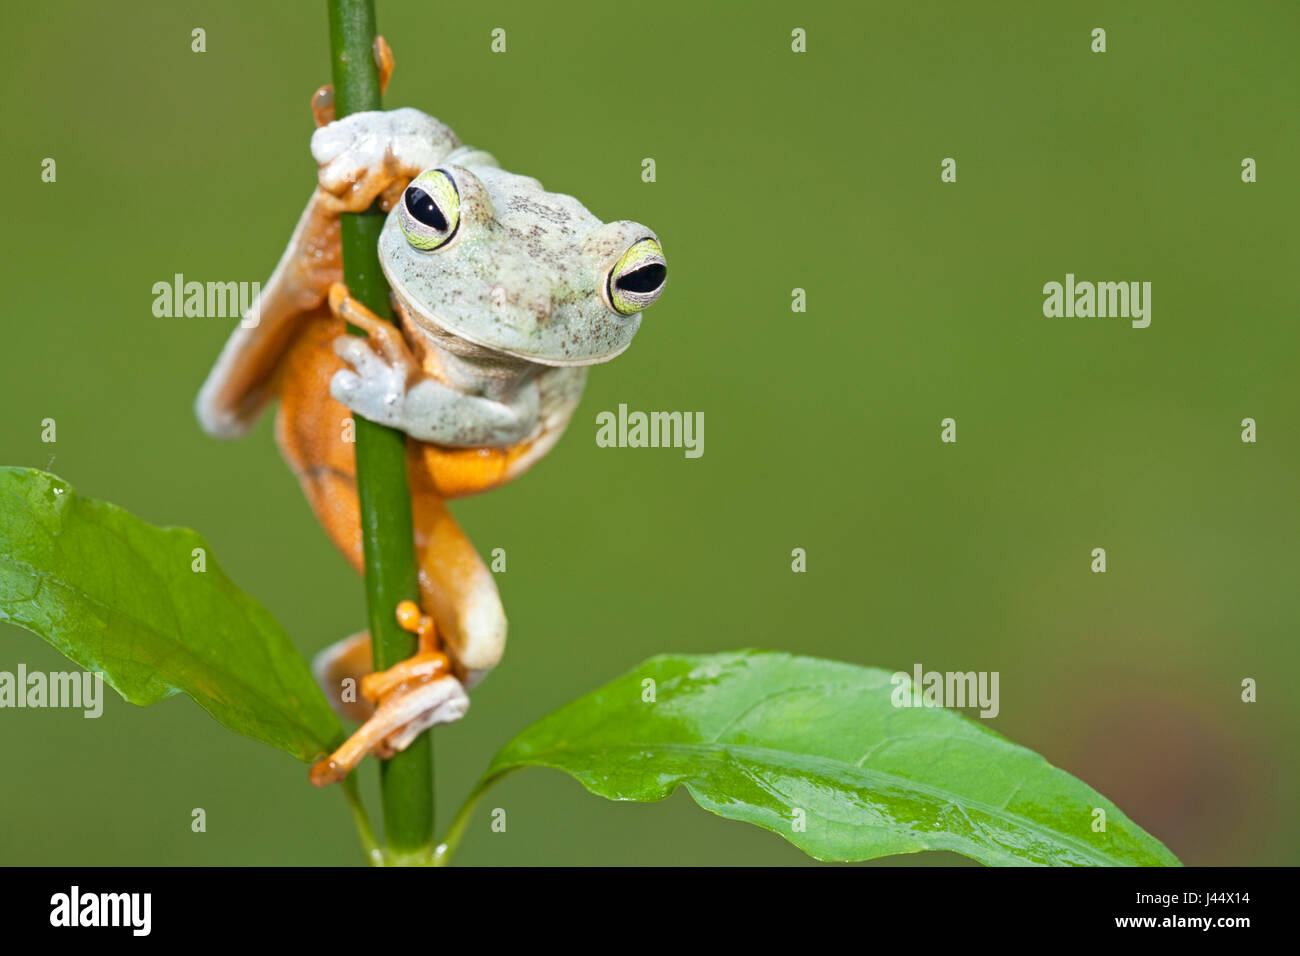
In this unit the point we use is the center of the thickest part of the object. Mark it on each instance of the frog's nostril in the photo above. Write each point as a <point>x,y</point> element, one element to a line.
<point>643,280</point>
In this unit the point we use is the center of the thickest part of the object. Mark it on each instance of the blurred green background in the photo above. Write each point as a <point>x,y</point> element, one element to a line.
<point>775,171</point>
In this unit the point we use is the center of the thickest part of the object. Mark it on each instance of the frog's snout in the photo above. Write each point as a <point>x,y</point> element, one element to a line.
<point>541,306</point>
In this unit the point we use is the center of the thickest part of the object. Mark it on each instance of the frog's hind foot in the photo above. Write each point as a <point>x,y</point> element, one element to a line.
<point>400,702</point>
<point>339,669</point>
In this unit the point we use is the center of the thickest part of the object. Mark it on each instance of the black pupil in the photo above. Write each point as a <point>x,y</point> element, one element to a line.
<point>646,279</point>
<point>423,209</point>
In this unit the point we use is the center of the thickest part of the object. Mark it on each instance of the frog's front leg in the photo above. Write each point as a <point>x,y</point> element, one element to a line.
<point>386,385</point>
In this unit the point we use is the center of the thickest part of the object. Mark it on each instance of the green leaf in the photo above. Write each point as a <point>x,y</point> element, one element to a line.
<point>118,595</point>
<point>756,736</point>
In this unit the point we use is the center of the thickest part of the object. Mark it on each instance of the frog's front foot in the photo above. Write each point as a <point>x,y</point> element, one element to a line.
<point>410,697</point>
<point>375,154</point>
<point>382,365</point>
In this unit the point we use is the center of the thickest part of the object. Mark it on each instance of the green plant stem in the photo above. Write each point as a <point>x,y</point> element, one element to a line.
<point>374,853</point>
<point>443,852</point>
<point>451,839</point>
<point>387,531</point>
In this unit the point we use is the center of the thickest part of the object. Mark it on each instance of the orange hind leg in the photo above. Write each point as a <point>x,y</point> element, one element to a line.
<point>455,586</point>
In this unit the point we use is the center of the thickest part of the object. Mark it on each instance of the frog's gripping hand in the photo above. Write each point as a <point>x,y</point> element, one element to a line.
<point>370,156</point>
<point>386,385</point>
<point>362,158</point>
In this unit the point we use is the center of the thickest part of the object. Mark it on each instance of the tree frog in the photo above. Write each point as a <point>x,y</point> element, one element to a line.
<point>504,293</point>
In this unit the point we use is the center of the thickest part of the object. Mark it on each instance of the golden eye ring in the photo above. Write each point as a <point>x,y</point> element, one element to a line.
<point>638,277</point>
<point>429,212</point>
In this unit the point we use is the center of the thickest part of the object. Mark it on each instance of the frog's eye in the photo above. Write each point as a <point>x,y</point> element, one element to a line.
<point>637,278</point>
<point>430,210</point>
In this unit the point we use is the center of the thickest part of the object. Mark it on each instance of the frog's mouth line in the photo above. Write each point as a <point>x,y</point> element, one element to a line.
<point>418,316</point>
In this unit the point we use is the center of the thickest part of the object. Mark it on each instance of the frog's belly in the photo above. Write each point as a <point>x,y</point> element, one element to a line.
<point>454,472</point>
<point>313,431</point>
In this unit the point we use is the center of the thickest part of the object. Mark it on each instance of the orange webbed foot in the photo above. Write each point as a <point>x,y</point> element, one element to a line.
<point>412,696</point>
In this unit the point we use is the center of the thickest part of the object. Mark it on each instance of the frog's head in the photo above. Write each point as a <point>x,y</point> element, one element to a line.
<point>495,259</point>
